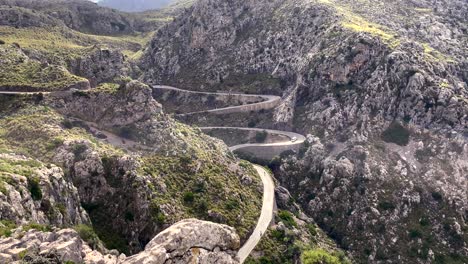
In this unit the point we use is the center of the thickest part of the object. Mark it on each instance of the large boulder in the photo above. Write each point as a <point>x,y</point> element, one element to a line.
<point>191,241</point>
<point>188,241</point>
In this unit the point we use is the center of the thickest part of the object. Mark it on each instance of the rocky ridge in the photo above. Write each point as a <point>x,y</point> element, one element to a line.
<point>59,246</point>
<point>128,182</point>
<point>382,90</point>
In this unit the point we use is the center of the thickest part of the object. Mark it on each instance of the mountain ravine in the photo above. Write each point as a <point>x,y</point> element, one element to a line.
<point>381,89</point>
<point>234,131</point>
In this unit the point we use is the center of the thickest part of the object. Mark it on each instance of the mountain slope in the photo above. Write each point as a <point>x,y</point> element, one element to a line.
<point>381,88</point>
<point>112,159</point>
<point>134,5</point>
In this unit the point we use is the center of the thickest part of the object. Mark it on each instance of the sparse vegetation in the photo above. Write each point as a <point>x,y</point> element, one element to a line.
<point>261,136</point>
<point>34,188</point>
<point>319,256</point>
<point>6,227</point>
<point>287,218</point>
<point>396,133</point>
<point>88,234</point>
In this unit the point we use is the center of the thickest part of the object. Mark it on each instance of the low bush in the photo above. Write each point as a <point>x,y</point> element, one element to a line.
<point>287,218</point>
<point>189,197</point>
<point>36,226</point>
<point>5,227</point>
<point>261,136</point>
<point>319,256</point>
<point>88,234</point>
<point>34,188</point>
<point>396,133</point>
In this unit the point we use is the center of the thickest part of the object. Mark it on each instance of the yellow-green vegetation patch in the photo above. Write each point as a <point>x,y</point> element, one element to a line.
<point>444,85</point>
<point>36,131</point>
<point>434,55</point>
<point>6,227</point>
<point>59,43</point>
<point>24,167</point>
<point>51,40</point>
<point>19,72</point>
<point>105,88</point>
<point>319,255</point>
<point>355,22</point>
<point>205,189</point>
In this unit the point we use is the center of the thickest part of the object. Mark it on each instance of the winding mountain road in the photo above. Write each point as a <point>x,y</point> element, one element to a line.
<point>262,150</point>
<point>265,216</point>
<point>268,101</point>
<point>295,140</point>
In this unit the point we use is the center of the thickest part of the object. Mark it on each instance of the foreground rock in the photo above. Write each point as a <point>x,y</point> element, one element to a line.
<point>38,194</point>
<point>188,241</point>
<point>191,241</point>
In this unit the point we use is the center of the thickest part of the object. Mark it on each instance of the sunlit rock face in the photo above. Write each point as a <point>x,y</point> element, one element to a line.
<point>384,99</point>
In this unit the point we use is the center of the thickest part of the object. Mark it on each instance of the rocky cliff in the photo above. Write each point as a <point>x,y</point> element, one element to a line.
<point>382,90</point>
<point>111,159</point>
<point>66,245</point>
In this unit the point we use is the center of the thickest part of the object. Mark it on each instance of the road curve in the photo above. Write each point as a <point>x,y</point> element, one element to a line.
<point>299,139</point>
<point>14,93</point>
<point>268,101</point>
<point>265,216</point>
<point>273,149</point>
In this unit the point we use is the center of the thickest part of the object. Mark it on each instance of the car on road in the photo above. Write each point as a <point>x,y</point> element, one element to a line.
<point>293,139</point>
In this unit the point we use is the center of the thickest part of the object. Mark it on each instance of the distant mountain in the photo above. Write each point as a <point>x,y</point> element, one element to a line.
<point>135,5</point>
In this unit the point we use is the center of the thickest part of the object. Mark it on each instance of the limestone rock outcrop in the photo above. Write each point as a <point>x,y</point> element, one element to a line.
<point>41,195</point>
<point>385,98</point>
<point>100,65</point>
<point>191,241</point>
<point>131,103</point>
<point>188,241</point>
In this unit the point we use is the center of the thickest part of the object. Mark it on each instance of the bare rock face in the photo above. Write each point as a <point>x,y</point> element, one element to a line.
<point>131,103</point>
<point>385,175</point>
<point>100,65</point>
<point>46,196</point>
<point>188,241</point>
<point>58,246</point>
<point>191,241</point>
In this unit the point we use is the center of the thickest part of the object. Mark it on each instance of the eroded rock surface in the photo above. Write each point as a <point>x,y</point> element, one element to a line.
<point>188,241</point>
<point>191,241</point>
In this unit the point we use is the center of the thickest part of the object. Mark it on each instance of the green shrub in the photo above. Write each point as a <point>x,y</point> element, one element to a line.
<point>156,213</point>
<point>396,133</point>
<point>415,233</point>
<point>386,205</point>
<point>88,234</point>
<point>201,206</point>
<point>261,136</point>
<point>312,229</point>
<point>22,254</point>
<point>36,226</point>
<point>189,197</point>
<point>5,227</point>
<point>278,234</point>
<point>319,256</point>
<point>232,204</point>
<point>78,150</point>
<point>129,216</point>
<point>287,218</point>
<point>128,132</point>
<point>67,124</point>
<point>437,196</point>
<point>34,188</point>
